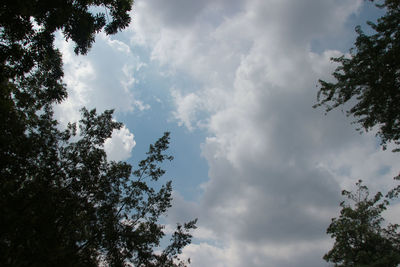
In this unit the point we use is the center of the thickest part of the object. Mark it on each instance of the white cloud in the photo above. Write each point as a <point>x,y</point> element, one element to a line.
<point>103,79</point>
<point>186,108</point>
<point>239,254</point>
<point>204,254</point>
<point>276,165</point>
<point>120,145</point>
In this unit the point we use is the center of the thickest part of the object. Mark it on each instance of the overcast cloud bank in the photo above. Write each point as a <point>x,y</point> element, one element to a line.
<point>276,165</point>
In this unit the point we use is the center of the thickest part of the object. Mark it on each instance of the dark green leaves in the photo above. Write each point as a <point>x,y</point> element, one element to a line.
<point>69,202</point>
<point>27,54</point>
<point>369,81</point>
<point>62,202</point>
<point>360,238</point>
<point>370,77</point>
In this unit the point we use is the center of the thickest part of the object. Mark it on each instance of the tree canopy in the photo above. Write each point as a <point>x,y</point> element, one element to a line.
<point>30,65</point>
<point>360,238</point>
<point>62,202</point>
<point>70,206</point>
<point>369,78</point>
<point>368,82</point>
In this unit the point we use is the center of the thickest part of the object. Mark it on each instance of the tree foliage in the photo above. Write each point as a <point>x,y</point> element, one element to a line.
<point>369,79</point>
<point>62,202</point>
<point>30,66</point>
<point>360,239</point>
<point>70,206</point>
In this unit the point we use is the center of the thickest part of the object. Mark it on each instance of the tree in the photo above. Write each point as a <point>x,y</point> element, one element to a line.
<point>62,202</point>
<point>31,67</point>
<point>369,79</point>
<point>72,207</point>
<point>360,239</point>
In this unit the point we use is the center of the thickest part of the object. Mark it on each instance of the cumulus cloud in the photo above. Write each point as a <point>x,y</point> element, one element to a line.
<point>120,145</point>
<point>276,165</point>
<point>103,79</point>
<point>186,108</point>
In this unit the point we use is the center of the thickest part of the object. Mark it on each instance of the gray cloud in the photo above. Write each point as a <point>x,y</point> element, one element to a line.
<point>184,13</point>
<point>275,163</point>
<point>177,12</point>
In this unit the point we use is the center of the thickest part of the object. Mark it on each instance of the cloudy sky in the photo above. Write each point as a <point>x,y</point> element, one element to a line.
<point>234,82</point>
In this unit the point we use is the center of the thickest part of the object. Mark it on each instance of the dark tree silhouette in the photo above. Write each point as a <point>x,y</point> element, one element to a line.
<point>360,238</point>
<point>62,202</point>
<point>371,77</point>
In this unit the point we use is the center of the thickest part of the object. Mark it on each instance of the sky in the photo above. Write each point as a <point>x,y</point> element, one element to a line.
<point>234,81</point>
